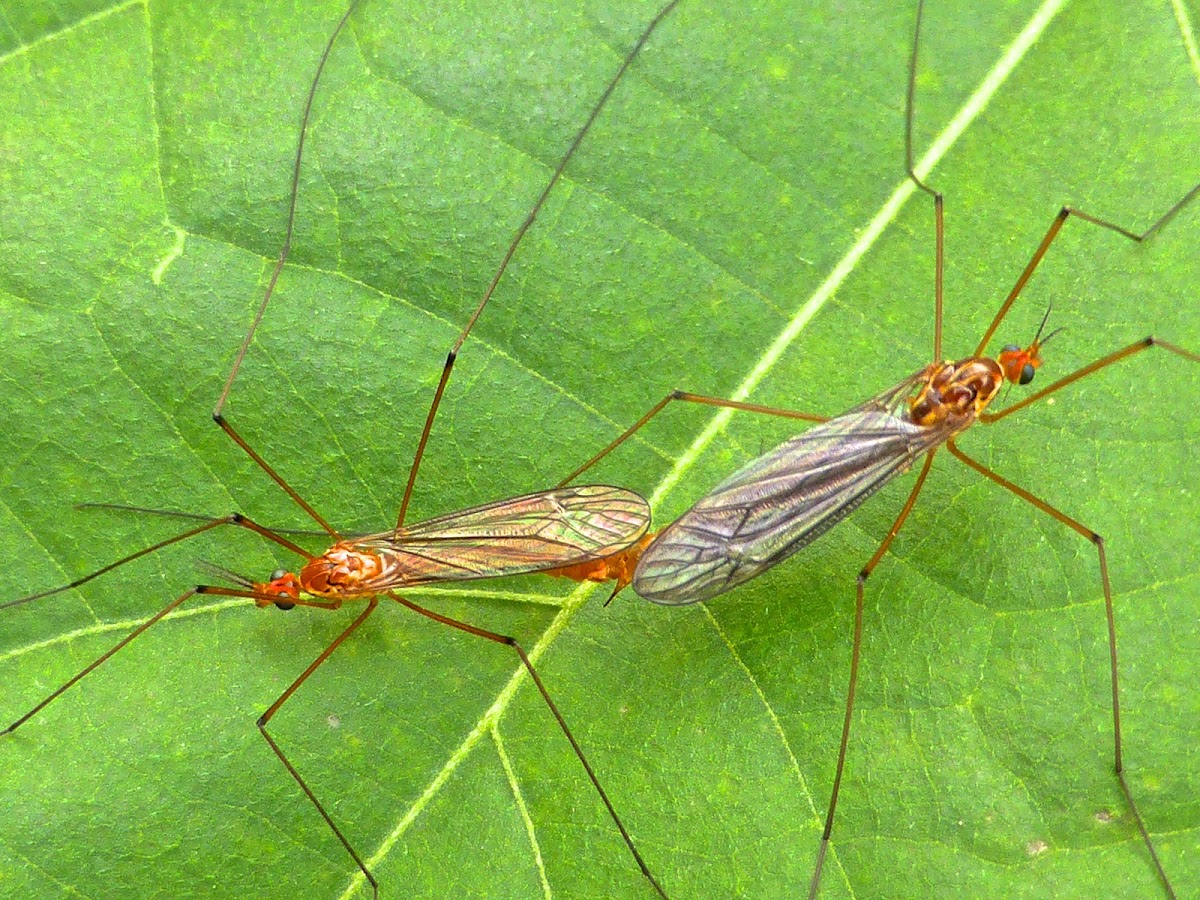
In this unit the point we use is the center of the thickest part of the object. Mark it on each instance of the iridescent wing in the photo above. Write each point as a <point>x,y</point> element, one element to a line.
<point>547,530</point>
<point>784,500</point>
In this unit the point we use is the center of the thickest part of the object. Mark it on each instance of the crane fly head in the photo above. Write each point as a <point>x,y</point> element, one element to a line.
<point>1019,364</point>
<point>343,571</point>
<point>284,585</point>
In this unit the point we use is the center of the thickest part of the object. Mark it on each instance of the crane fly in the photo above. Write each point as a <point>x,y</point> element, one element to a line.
<point>593,533</point>
<point>585,533</point>
<point>581,533</point>
<point>780,502</point>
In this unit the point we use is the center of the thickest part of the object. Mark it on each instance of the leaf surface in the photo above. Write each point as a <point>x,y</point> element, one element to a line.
<point>737,220</point>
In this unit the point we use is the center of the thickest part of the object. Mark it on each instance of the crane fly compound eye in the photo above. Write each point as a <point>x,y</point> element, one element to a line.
<point>1027,371</point>
<point>1011,348</point>
<point>277,574</point>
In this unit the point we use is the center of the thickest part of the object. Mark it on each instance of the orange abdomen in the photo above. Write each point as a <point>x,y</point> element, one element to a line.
<point>618,567</point>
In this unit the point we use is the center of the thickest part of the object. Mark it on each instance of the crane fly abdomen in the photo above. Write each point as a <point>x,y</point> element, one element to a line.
<point>783,501</point>
<point>618,567</point>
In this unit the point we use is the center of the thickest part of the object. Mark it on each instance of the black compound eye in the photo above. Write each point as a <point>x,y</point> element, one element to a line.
<point>1010,348</point>
<point>1027,371</point>
<point>279,573</point>
<point>284,604</point>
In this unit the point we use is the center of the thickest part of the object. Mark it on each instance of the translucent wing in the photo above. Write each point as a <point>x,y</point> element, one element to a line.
<point>547,530</point>
<point>785,499</point>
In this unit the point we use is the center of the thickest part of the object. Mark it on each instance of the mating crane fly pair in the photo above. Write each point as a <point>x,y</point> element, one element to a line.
<point>768,510</point>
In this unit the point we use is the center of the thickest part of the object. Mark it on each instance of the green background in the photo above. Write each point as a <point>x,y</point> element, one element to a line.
<point>144,165</point>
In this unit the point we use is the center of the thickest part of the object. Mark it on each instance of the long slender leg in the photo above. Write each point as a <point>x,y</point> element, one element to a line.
<point>275,476</point>
<point>291,216</point>
<point>100,660</point>
<point>562,723</point>
<point>287,763</point>
<point>688,398</point>
<point>512,248</point>
<point>217,414</point>
<point>1098,542</point>
<point>1104,361</point>
<point>233,519</point>
<point>153,620</point>
<point>855,652</point>
<point>145,551</point>
<point>938,202</point>
<point>196,517</point>
<point>1052,233</point>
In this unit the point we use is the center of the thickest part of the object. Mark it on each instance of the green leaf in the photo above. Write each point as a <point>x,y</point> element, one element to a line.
<point>726,224</point>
